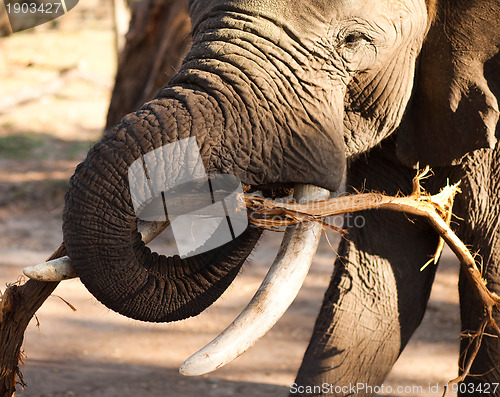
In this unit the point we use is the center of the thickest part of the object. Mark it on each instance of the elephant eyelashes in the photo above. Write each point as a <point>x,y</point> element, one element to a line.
<point>354,40</point>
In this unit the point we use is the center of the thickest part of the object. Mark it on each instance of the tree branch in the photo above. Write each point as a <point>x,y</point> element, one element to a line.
<point>18,305</point>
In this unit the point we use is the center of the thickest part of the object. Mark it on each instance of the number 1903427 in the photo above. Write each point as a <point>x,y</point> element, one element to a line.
<point>35,8</point>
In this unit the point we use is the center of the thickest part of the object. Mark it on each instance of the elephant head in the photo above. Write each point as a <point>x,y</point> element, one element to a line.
<point>276,93</point>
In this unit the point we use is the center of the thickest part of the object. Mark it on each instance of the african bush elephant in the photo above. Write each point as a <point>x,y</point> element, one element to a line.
<point>290,92</point>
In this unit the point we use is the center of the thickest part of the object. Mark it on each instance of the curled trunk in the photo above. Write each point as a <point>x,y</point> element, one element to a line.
<point>100,230</point>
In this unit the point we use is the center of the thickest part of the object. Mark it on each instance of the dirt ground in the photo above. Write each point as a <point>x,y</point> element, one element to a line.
<point>95,352</point>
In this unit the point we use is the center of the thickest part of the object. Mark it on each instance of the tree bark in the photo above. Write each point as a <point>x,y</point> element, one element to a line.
<point>18,305</point>
<point>5,29</point>
<point>158,40</point>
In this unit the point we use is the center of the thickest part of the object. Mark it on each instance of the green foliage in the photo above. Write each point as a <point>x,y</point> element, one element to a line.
<point>19,146</point>
<point>41,147</point>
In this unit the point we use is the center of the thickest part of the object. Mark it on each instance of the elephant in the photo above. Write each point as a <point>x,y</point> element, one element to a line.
<point>313,92</point>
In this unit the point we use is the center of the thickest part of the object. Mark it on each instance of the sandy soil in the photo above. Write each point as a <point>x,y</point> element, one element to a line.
<point>95,352</point>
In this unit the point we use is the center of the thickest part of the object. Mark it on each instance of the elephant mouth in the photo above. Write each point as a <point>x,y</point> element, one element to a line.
<point>277,291</point>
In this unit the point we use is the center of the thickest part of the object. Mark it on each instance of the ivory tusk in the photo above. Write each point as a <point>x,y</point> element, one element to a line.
<point>55,270</point>
<point>278,290</point>
<point>61,268</point>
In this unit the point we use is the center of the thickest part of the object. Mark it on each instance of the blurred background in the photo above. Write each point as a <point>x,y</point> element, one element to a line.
<point>59,88</point>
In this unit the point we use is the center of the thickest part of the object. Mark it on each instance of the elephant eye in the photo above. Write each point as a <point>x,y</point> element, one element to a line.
<point>353,40</point>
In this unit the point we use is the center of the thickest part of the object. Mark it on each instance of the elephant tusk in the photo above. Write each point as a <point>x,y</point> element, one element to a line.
<point>55,270</point>
<point>278,290</point>
<point>62,269</point>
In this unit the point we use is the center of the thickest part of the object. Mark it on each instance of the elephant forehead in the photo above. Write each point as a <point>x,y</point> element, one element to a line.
<point>324,9</point>
<point>310,19</point>
<point>374,10</point>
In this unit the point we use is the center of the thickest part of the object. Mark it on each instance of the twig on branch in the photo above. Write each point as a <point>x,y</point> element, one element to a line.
<point>477,338</point>
<point>34,93</point>
<point>28,94</point>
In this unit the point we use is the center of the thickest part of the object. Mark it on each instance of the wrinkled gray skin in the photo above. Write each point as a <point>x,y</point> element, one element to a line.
<point>281,92</point>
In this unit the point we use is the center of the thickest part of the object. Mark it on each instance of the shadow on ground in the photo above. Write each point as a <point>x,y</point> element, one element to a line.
<point>69,379</point>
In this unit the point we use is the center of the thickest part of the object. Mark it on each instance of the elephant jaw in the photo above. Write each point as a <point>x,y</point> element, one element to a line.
<point>278,290</point>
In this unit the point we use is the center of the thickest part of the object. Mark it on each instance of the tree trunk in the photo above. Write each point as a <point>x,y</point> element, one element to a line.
<point>5,29</point>
<point>121,20</point>
<point>157,42</point>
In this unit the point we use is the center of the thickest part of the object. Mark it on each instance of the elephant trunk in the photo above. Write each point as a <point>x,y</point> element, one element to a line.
<point>100,228</point>
<point>249,117</point>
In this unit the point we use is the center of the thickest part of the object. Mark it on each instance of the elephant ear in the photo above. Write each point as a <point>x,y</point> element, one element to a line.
<point>454,109</point>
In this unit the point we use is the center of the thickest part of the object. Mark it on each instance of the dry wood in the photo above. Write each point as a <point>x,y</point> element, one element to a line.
<point>18,305</point>
<point>476,339</point>
<point>436,209</point>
